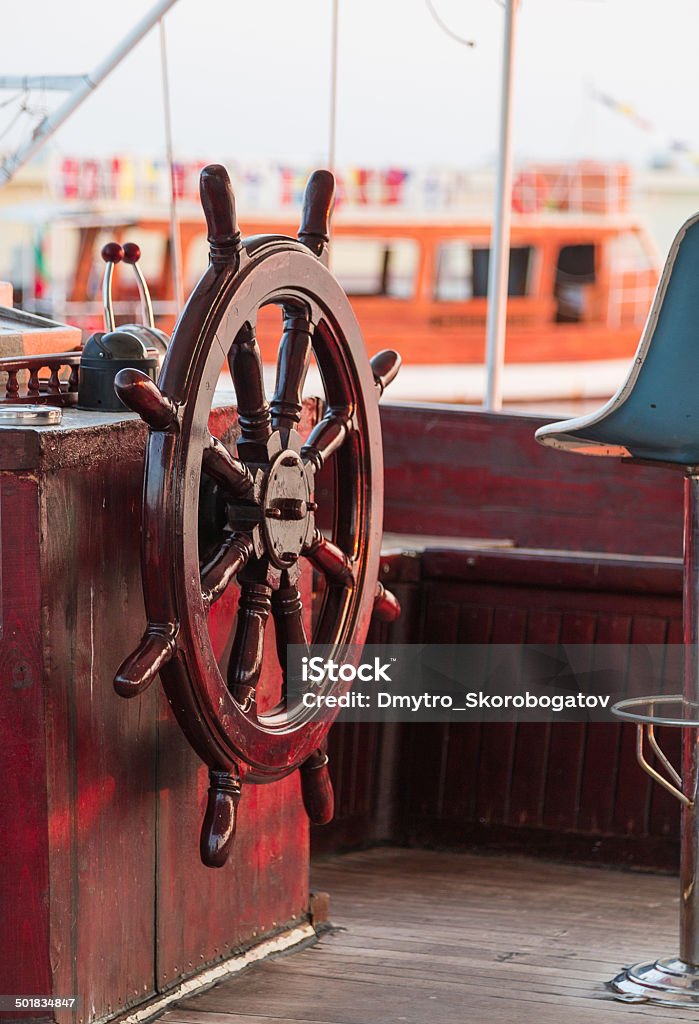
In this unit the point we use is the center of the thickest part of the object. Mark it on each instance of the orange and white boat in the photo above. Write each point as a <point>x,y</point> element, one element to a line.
<point>582,275</point>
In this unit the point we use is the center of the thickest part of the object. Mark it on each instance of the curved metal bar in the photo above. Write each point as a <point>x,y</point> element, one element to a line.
<point>107,306</point>
<point>624,709</point>
<point>656,776</point>
<point>144,292</point>
<point>660,754</point>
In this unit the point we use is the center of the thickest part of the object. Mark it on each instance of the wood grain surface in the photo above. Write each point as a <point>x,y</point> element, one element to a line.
<point>458,939</point>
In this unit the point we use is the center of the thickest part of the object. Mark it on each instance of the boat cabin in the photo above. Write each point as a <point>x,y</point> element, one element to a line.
<point>579,289</point>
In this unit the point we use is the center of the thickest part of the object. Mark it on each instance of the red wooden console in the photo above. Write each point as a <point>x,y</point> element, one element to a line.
<point>101,887</point>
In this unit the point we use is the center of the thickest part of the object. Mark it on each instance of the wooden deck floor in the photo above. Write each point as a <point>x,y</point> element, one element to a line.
<point>434,938</point>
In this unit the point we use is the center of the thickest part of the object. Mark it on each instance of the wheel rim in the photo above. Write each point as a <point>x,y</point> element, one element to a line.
<point>280,273</point>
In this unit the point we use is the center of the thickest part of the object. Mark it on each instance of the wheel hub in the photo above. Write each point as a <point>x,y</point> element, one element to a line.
<point>288,511</point>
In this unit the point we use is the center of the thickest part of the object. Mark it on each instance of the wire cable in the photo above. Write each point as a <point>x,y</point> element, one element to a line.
<point>445,28</point>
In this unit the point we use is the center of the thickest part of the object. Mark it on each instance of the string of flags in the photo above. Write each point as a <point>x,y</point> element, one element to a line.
<point>259,185</point>
<point>627,110</point>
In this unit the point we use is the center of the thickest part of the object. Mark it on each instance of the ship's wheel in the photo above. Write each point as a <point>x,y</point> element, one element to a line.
<point>268,492</point>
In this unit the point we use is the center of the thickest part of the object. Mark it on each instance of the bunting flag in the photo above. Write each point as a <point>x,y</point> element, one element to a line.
<point>628,111</point>
<point>262,185</point>
<point>625,109</point>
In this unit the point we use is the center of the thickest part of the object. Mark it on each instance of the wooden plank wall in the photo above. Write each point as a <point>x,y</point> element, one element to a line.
<point>24,843</point>
<point>559,789</point>
<point>467,473</point>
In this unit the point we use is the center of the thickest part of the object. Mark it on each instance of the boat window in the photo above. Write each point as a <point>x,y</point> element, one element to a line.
<point>575,270</point>
<point>152,262</point>
<point>462,271</point>
<point>196,263</point>
<point>372,266</point>
<point>627,251</point>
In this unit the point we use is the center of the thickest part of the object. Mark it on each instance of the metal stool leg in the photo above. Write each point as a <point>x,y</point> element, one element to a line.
<point>675,981</point>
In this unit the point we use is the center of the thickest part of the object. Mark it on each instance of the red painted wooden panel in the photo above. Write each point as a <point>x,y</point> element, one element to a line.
<point>497,741</point>
<point>24,871</point>
<point>533,740</point>
<point>487,477</point>
<point>103,750</point>
<point>553,781</point>
<point>601,759</point>
<point>567,742</point>
<point>101,889</point>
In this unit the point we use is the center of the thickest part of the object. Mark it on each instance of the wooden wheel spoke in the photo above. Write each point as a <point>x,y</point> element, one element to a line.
<point>292,367</point>
<point>220,818</point>
<point>232,474</point>
<point>138,671</point>
<point>329,559</point>
<point>140,394</point>
<point>385,366</point>
<point>317,787</point>
<point>245,364</point>
<point>318,200</point>
<point>386,604</point>
<point>289,627</point>
<point>231,557</point>
<point>326,437</point>
<point>248,644</point>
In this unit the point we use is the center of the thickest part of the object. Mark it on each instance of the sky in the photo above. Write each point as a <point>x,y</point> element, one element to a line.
<point>251,80</point>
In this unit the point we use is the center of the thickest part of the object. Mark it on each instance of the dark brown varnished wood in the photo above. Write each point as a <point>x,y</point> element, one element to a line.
<point>27,383</point>
<point>289,626</point>
<point>231,557</point>
<point>318,201</point>
<point>326,437</point>
<point>385,366</point>
<point>292,366</point>
<point>220,817</point>
<point>254,415</point>
<point>268,497</point>
<point>327,558</point>
<point>317,788</point>
<point>218,203</point>
<point>139,670</point>
<point>233,475</point>
<point>245,665</point>
<point>138,393</point>
<point>386,605</point>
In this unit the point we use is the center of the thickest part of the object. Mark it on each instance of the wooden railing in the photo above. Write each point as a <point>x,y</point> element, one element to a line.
<point>23,379</point>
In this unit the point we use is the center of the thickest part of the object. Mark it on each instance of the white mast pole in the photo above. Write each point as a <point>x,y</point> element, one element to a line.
<point>332,140</point>
<point>52,122</point>
<point>175,237</point>
<point>498,270</point>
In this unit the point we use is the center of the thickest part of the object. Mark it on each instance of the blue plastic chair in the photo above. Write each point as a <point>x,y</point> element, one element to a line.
<point>655,414</point>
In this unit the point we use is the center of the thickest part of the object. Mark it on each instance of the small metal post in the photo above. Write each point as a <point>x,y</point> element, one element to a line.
<point>689,856</point>
<point>175,239</point>
<point>674,981</point>
<point>498,269</point>
<point>332,127</point>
